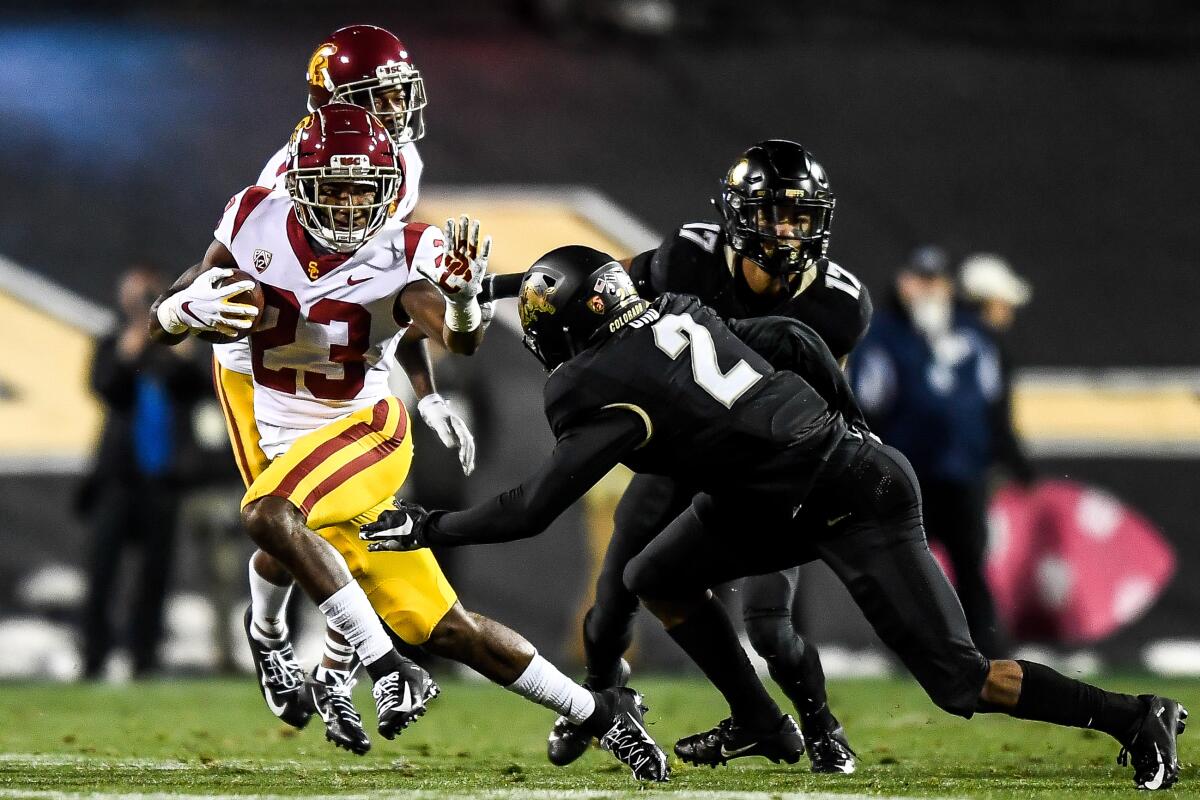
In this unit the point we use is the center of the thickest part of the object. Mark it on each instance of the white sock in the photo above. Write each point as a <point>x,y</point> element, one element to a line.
<point>340,654</point>
<point>349,612</point>
<point>542,683</point>
<point>268,607</point>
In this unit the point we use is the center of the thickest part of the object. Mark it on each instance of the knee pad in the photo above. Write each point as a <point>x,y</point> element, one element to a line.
<point>771,632</point>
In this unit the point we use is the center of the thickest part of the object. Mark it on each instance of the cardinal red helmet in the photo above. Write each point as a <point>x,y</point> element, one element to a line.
<point>343,175</point>
<point>368,66</point>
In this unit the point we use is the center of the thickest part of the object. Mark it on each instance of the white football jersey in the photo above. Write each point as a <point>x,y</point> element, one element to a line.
<point>236,355</point>
<point>330,323</point>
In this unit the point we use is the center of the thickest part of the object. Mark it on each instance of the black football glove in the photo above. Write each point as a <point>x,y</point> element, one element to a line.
<point>398,531</point>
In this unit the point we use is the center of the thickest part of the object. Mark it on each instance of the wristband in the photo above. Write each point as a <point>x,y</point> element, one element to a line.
<point>463,318</point>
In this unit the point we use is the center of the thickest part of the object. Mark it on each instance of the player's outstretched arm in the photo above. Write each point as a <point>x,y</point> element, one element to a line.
<point>452,429</point>
<point>583,455</point>
<point>170,322</point>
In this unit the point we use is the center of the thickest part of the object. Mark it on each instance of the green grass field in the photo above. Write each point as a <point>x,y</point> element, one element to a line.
<point>216,738</point>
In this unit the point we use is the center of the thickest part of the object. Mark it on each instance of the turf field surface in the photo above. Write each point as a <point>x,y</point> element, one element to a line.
<point>216,738</point>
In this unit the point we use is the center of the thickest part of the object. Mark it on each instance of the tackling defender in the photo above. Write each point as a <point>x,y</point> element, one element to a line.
<point>767,256</point>
<point>759,416</point>
<point>340,289</point>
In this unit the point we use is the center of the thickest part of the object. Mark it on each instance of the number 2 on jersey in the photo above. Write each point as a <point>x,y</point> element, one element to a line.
<point>283,332</point>
<point>674,332</point>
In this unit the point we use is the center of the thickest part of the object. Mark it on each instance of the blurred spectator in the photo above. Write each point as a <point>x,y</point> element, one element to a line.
<point>928,378</point>
<point>991,287</point>
<point>145,453</point>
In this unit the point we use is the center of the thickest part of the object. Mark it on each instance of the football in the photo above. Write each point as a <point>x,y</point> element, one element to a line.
<point>253,297</point>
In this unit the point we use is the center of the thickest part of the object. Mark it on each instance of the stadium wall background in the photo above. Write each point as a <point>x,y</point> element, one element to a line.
<point>1063,145</point>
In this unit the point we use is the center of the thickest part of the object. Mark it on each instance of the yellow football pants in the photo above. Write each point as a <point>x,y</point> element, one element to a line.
<point>341,476</point>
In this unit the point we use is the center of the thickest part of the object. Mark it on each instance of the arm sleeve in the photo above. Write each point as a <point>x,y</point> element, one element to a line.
<point>788,344</point>
<point>582,456</point>
<point>498,287</point>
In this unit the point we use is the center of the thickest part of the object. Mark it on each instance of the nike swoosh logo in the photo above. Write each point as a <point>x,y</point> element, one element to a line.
<point>731,753</point>
<point>836,520</point>
<point>351,282</point>
<point>276,709</point>
<point>1157,780</point>
<point>185,307</point>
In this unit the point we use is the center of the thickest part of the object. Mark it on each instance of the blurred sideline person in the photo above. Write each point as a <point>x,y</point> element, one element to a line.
<point>767,255</point>
<point>144,461</point>
<point>340,290</point>
<point>928,378</point>
<point>995,291</point>
<point>369,67</point>
<point>757,414</point>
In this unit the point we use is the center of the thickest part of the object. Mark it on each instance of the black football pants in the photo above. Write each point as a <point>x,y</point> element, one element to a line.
<point>650,503</point>
<point>955,514</point>
<point>864,521</point>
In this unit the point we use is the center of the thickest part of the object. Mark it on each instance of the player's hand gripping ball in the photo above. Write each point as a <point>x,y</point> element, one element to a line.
<point>252,296</point>
<point>398,531</point>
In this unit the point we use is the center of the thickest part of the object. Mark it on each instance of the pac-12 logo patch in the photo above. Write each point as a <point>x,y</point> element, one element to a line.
<point>262,259</point>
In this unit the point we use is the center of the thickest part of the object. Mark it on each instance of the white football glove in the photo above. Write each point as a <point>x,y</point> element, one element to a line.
<point>458,272</point>
<point>449,427</point>
<point>204,306</point>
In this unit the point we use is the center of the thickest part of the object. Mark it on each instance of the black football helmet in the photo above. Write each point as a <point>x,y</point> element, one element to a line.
<point>777,207</point>
<point>571,298</point>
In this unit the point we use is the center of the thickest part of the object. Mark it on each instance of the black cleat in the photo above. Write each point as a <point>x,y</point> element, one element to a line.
<point>401,696</point>
<point>332,697</point>
<point>1152,747</point>
<point>280,679</point>
<point>729,740</point>
<point>828,750</point>
<point>568,741</point>
<point>624,735</point>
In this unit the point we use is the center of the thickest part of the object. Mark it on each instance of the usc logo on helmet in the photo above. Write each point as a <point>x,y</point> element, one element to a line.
<point>300,128</point>
<point>318,67</point>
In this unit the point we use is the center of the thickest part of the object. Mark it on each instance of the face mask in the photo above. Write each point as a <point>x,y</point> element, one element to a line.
<point>932,316</point>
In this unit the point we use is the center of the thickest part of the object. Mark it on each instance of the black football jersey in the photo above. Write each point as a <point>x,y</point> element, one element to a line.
<point>716,413</point>
<point>695,261</point>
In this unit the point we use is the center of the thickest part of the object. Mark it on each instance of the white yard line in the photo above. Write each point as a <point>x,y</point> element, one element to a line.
<point>491,794</point>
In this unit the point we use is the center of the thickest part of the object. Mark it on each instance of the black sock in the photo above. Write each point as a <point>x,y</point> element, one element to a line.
<point>606,637</point>
<point>1048,696</point>
<point>803,681</point>
<point>385,665</point>
<point>601,719</point>
<point>708,637</point>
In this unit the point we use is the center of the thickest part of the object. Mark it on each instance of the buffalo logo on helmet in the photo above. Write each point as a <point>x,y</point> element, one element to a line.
<point>535,298</point>
<point>318,67</point>
<point>596,304</point>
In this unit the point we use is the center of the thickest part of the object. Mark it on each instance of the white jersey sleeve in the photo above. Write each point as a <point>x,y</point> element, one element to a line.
<point>423,244</point>
<point>413,167</point>
<point>274,168</point>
